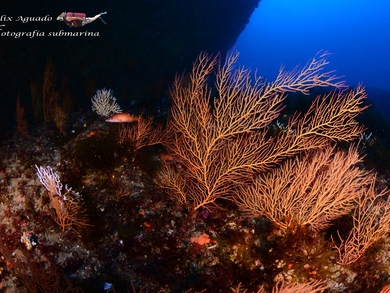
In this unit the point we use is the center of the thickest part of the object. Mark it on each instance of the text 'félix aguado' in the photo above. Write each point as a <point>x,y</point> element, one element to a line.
<point>25,19</point>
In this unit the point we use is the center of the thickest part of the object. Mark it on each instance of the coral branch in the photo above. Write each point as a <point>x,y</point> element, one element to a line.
<point>370,223</point>
<point>223,140</point>
<point>307,192</point>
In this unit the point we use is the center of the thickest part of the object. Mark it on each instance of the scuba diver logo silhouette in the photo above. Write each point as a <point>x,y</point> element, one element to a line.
<point>77,19</point>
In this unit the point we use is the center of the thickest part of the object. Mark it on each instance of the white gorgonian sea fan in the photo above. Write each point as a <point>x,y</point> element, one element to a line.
<point>51,181</point>
<point>104,103</point>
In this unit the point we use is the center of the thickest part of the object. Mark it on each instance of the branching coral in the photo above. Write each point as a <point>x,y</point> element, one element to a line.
<point>223,141</point>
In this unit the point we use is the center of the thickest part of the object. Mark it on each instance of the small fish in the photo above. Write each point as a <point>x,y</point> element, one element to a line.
<point>94,132</point>
<point>122,117</point>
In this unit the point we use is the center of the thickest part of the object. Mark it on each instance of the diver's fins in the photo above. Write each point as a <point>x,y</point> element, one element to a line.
<point>102,13</point>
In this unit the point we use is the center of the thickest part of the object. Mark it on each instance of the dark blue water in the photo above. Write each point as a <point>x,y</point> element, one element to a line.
<point>290,32</point>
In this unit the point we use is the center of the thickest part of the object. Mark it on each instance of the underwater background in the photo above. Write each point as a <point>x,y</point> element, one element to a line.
<point>142,152</point>
<point>356,33</point>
